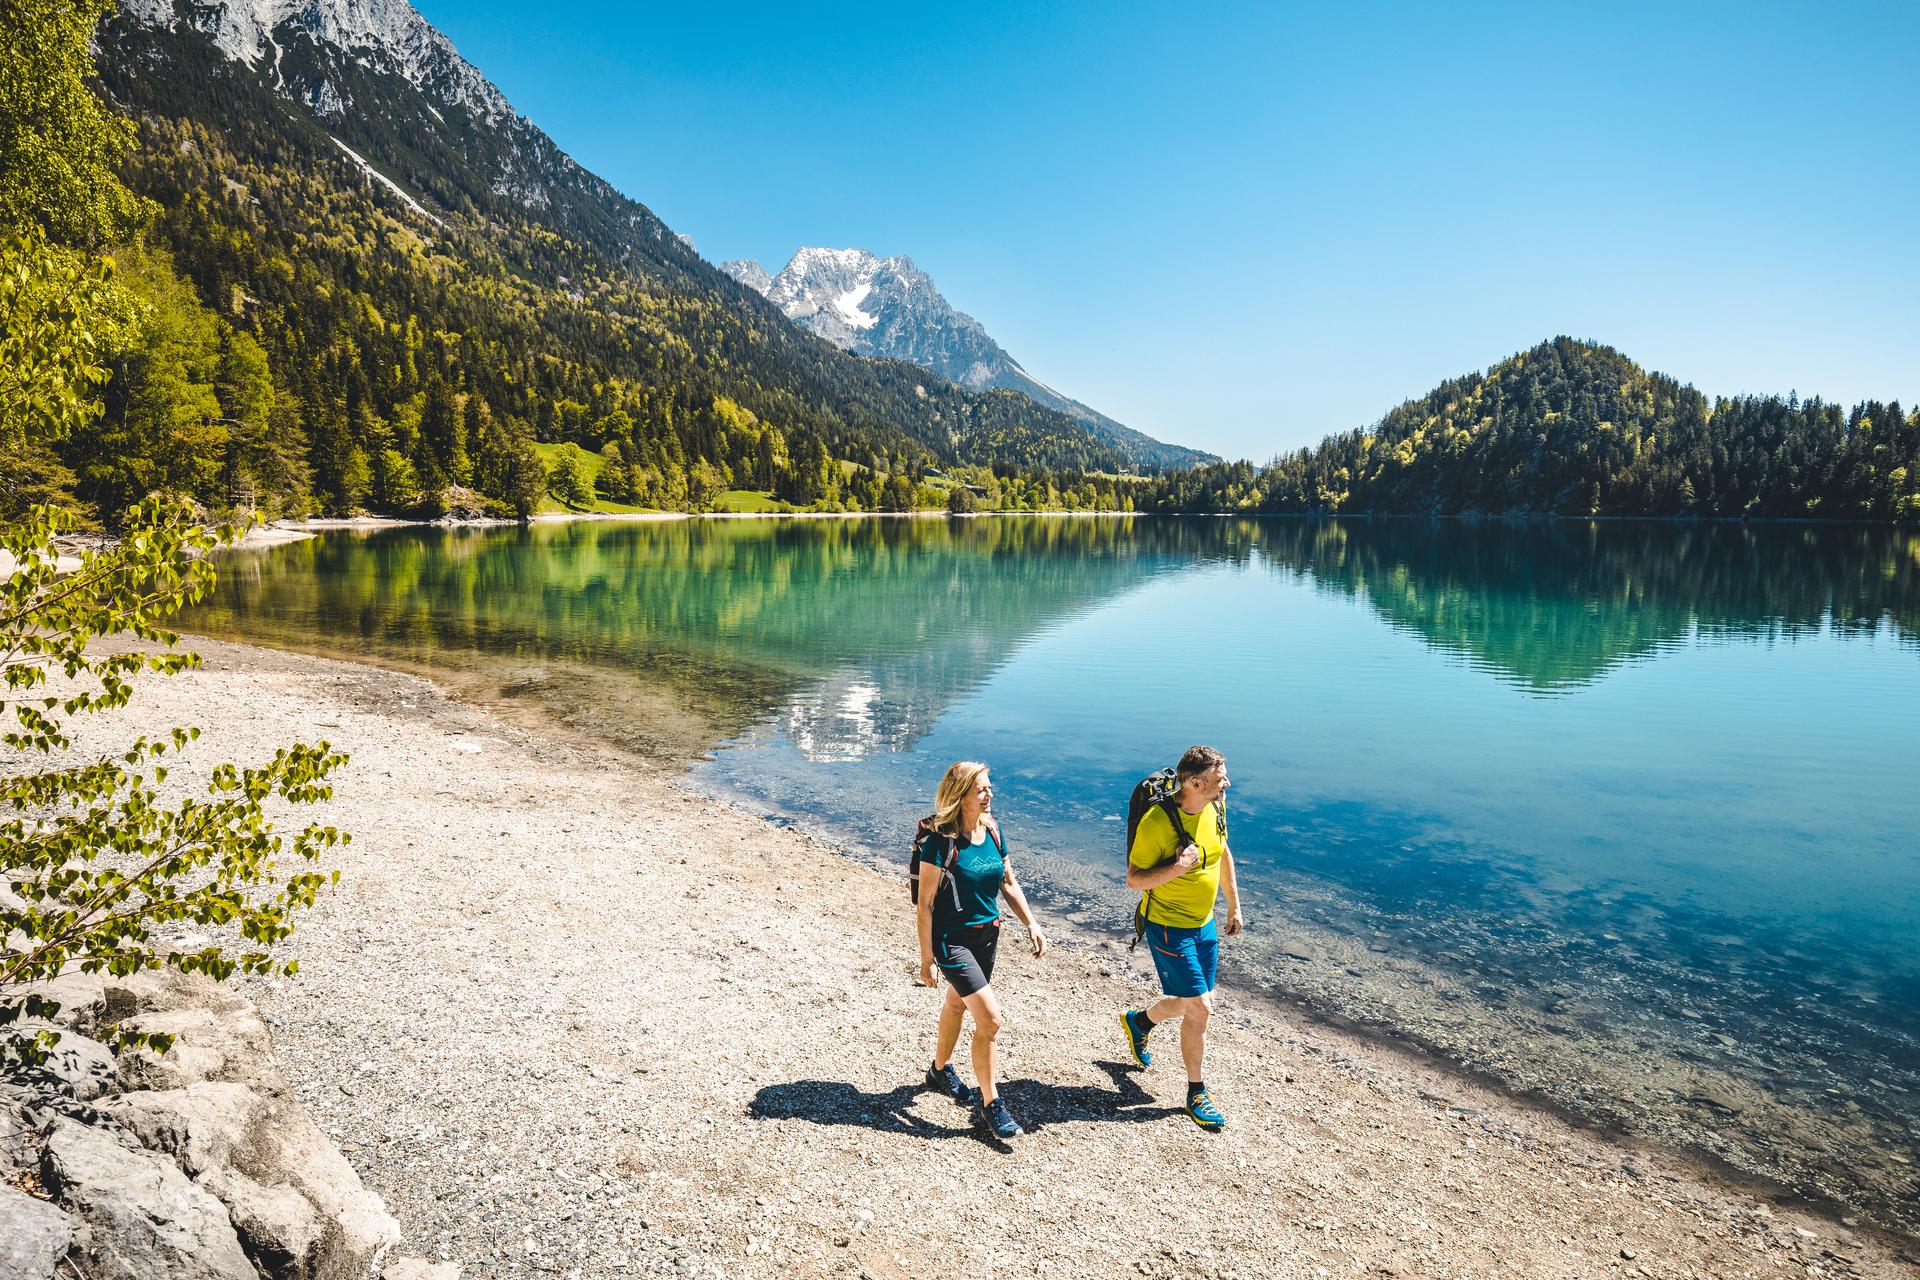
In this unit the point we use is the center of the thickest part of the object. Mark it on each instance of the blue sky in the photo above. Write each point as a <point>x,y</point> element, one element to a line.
<point>1244,227</point>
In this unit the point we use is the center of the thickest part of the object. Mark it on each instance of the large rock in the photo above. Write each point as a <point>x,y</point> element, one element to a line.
<point>291,1151</point>
<point>81,996</point>
<point>280,1230</point>
<point>146,1220</point>
<point>218,1103</point>
<point>77,1066</point>
<point>16,1152</point>
<point>208,1044</point>
<point>222,1036</point>
<point>200,1126</point>
<point>34,1235</point>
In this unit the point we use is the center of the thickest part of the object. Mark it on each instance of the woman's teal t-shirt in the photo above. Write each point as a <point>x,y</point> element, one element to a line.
<point>977,874</point>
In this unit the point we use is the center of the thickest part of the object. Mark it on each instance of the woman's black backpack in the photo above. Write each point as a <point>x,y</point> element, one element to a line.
<point>921,834</point>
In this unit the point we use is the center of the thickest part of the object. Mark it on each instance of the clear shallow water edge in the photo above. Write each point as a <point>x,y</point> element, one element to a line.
<point>1618,815</point>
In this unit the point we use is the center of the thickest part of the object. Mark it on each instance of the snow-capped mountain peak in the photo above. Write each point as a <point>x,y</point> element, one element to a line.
<point>381,35</point>
<point>888,307</point>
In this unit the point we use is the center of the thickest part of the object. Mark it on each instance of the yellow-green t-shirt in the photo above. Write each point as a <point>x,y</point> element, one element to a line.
<point>1185,902</point>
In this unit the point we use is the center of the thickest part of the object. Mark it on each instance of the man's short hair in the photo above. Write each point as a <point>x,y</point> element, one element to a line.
<point>1197,761</point>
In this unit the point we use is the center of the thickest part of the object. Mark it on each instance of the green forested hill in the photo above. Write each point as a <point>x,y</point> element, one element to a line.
<point>1572,428</point>
<point>317,339</point>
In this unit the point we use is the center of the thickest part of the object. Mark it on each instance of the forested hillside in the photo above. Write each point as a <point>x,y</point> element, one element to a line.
<point>1571,428</point>
<point>337,296</point>
<point>306,336</point>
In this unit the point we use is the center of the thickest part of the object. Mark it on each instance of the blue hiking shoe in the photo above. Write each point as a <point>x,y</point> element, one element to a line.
<point>1205,1114</point>
<point>1134,1023</point>
<point>996,1119</point>
<point>946,1080</point>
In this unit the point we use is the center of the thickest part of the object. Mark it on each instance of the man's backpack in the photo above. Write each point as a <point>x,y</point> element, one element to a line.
<point>921,834</point>
<point>1161,790</point>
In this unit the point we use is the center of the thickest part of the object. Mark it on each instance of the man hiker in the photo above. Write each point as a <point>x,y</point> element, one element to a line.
<point>1181,873</point>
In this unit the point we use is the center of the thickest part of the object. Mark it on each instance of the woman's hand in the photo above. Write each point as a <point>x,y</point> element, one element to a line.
<point>1038,939</point>
<point>927,978</point>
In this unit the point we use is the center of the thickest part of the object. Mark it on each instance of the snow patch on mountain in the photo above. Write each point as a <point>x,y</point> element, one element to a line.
<point>386,182</point>
<point>848,305</point>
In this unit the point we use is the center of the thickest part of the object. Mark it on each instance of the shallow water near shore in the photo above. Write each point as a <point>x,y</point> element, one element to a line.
<point>1620,815</point>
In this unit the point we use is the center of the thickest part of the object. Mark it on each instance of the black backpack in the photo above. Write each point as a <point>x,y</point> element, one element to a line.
<point>1160,790</point>
<point>920,836</point>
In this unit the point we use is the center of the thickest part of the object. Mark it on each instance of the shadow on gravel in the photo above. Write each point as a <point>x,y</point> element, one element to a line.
<point>1034,1103</point>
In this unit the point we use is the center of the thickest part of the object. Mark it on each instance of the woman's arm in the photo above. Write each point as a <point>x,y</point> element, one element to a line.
<point>930,877</point>
<point>1010,890</point>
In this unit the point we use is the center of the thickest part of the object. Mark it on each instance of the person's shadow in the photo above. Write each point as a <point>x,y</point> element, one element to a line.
<point>1034,1103</point>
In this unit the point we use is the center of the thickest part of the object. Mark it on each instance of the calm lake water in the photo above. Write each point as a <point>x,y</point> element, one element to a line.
<point>1621,815</point>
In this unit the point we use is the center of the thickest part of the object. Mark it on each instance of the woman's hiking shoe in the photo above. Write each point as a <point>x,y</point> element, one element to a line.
<point>1134,1023</point>
<point>1205,1114</point>
<point>946,1080</point>
<point>996,1119</point>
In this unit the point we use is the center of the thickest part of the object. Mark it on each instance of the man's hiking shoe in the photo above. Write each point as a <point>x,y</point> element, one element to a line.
<point>1134,1023</point>
<point>996,1119</point>
<point>946,1080</point>
<point>1205,1114</point>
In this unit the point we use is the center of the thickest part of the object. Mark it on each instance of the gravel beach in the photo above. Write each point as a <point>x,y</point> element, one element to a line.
<point>571,1019</point>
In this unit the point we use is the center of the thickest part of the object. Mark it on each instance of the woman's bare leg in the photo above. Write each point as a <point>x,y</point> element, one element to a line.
<point>987,1022</point>
<point>952,1011</point>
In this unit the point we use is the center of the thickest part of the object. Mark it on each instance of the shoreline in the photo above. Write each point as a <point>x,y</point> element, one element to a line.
<point>278,531</point>
<point>376,713</point>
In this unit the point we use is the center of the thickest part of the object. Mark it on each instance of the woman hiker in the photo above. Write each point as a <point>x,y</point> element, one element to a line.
<point>962,869</point>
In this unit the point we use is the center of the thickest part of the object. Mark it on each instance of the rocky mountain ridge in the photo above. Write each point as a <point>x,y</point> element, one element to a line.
<point>888,307</point>
<point>335,180</point>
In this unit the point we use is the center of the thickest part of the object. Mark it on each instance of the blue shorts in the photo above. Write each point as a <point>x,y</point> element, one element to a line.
<point>1188,959</point>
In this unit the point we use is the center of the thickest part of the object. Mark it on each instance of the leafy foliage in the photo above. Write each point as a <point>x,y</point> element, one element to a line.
<point>95,860</point>
<point>58,143</point>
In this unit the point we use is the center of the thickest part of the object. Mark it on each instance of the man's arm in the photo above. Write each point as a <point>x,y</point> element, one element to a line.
<point>1230,886</point>
<point>1140,880</point>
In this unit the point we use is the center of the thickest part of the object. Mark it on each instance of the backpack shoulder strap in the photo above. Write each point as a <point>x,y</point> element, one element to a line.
<point>1000,839</point>
<point>1180,837</point>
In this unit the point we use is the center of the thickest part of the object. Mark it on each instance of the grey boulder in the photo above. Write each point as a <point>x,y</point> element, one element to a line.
<point>34,1235</point>
<point>279,1228</point>
<point>200,1126</point>
<point>146,1220</point>
<point>78,1067</point>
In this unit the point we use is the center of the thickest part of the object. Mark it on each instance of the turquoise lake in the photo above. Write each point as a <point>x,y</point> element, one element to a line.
<point>1622,816</point>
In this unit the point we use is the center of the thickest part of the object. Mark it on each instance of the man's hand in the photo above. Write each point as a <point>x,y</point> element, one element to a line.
<point>1189,855</point>
<point>1235,922</point>
<point>927,978</point>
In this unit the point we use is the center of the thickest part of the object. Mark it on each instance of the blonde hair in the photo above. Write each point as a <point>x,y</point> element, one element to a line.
<point>961,778</point>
